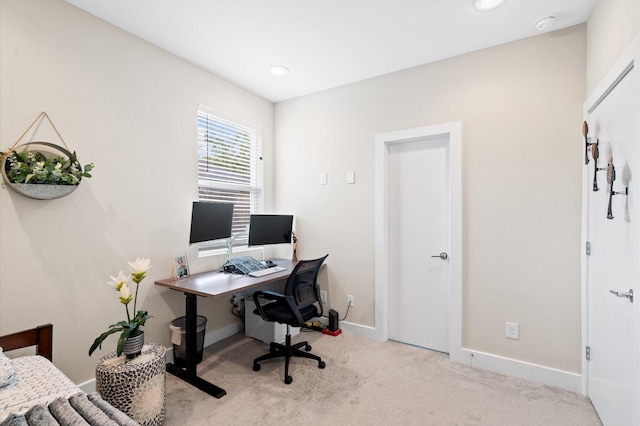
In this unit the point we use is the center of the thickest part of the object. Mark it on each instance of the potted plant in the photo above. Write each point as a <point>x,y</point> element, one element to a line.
<point>130,329</point>
<point>37,171</point>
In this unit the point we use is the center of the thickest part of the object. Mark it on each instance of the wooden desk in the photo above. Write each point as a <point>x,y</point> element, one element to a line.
<point>211,284</point>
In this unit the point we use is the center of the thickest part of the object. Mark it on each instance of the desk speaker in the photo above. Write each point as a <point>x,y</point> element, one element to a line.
<point>333,320</point>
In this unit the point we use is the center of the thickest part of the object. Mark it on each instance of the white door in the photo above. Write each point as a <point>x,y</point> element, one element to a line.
<point>612,265</point>
<point>418,226</point>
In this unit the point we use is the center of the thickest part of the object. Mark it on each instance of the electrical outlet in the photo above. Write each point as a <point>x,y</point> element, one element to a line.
<point>351,301</point>
<point>235,300</point>
<point>513,330</point>
<point>323,296</point>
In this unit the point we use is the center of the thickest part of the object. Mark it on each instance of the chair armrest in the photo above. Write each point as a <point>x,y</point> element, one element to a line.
<point>266,294</point>
<point>283,300</point>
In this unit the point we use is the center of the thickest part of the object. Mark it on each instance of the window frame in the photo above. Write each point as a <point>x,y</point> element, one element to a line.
<point>240,182</point>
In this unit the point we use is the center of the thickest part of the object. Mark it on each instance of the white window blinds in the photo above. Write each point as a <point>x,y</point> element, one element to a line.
<point>230,167</point>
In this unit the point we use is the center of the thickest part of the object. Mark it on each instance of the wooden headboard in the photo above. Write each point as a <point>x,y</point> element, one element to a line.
<point>41,337</point>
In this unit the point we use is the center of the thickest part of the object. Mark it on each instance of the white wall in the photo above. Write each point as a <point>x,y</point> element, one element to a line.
<point>130,108</point>
<point>521,106</point>
<point>612,26</point>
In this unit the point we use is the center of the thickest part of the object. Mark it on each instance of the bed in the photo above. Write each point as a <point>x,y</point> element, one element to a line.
<point>33,392</point>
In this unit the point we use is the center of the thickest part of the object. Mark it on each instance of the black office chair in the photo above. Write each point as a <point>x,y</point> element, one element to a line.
<point>300,303</point>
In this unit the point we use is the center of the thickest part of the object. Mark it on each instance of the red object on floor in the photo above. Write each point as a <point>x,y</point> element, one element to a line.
<point>331,333</point>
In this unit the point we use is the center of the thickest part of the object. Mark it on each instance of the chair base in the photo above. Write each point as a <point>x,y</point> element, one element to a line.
<point>287,351</point>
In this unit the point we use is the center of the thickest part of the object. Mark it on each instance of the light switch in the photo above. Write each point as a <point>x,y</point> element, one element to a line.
<point>513,331</point>
<point>323,178</point>
<point>351,177</point>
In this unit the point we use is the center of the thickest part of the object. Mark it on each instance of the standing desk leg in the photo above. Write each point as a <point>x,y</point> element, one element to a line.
<point>191,310</point>
<point>190,373</point>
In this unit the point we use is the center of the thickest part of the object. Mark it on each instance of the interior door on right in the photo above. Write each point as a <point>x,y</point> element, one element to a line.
<point>419,218</point>
<point>613,234</point>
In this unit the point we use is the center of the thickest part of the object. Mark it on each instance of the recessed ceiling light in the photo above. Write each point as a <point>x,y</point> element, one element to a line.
<point>545,23</point>
<point>487,4</point>
<point>279,70</point>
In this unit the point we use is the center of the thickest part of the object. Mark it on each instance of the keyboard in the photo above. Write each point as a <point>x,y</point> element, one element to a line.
<point>244,265</point>
<point>263,272</point>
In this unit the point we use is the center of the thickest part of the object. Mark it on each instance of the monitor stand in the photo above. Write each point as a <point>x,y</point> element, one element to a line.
<point>229,248</point>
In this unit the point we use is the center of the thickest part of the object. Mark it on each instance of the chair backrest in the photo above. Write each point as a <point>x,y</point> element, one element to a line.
<point>302,284</point>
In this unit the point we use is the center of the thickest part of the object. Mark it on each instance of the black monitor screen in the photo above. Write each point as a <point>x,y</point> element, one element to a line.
<point>269,229</point>
<point>210,221</point>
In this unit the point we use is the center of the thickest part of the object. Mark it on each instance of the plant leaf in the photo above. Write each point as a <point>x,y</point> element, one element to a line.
<point>98,342</point>
<point>123,338</point>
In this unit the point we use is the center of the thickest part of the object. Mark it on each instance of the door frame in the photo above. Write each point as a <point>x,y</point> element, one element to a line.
<point>629,59</point>
<point>452,131</point>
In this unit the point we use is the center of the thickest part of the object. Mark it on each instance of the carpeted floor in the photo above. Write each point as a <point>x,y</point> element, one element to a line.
<point>364,382</point>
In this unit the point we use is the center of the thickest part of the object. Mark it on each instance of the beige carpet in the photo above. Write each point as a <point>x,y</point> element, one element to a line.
<point>367,383</point>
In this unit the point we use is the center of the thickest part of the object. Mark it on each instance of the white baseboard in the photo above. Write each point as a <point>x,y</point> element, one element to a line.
<point>209,339</point>
<point>221,333</point>
<point>358,330</point>
<point>352,328</point>
<point>88,387</point>
<point>495,363</point>
<point>521,369</point>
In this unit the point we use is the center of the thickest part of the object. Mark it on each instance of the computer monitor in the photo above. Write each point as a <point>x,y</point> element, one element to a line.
<point>267,229</point>
<point>210,221</point>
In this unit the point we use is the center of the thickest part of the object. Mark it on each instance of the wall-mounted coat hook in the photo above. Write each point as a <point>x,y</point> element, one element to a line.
<point>595,153</point>
<point>585,132</point>
<point>611,177</point>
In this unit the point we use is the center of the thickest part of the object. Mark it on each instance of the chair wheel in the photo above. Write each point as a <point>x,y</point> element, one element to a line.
<point>307,348</point>
<point>288,380</point>
<point>321,364</point>
<point>256,367</point>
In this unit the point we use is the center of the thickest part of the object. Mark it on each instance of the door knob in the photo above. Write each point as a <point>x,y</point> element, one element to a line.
<point>628,295</point>
<point>442,256</point>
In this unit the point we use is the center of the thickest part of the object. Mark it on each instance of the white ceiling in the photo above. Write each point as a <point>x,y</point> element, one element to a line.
<point>325,43</point>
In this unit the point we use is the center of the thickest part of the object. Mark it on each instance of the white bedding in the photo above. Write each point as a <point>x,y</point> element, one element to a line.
<point>38,381</point>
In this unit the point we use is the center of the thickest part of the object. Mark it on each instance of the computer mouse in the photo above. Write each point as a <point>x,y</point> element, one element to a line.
<point>270,264</point>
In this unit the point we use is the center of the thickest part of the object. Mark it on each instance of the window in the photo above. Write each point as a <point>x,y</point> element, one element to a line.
<point>230,168</point>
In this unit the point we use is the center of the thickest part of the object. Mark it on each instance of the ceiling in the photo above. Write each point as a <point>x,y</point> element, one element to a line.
<point>325,43</point>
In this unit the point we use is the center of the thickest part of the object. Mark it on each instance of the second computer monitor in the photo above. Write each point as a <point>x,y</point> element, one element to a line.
<point>267,229</point>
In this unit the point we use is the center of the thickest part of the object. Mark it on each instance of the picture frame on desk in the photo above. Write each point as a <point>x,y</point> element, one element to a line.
<point>180,266</point>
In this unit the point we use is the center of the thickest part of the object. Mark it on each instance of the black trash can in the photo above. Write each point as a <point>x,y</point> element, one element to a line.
<point>179,339</point>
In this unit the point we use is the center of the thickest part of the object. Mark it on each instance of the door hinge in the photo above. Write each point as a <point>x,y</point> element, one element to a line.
<point>588,248</point>
<point>587,353</point>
